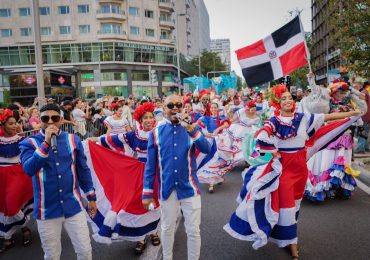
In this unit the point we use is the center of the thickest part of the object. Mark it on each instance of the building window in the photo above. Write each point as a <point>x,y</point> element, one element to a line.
<point>165,35</point>
<point>44,10</point>
<point>83,9</point>
<point>65,29</point>
<point>164,17</point>
<point>149,32</point>
<point>133,11</point>
<point>45,31</point>
<point>111,28</point>
<point>110,8</point>
<point>25,11</point>
<point>25,32</point>
<point>64,9</point>
<point>84,28</point>
<point>134,30</point>
<point>6,33</point>
<point>149,14</point>
<point>5,12</point>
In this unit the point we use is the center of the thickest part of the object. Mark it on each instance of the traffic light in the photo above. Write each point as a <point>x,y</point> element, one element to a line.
<point>153,76</point>
<point>287,81</point>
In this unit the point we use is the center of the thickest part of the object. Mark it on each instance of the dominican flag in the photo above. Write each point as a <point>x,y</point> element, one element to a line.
<point>118,183</point>
<point>274,57</point>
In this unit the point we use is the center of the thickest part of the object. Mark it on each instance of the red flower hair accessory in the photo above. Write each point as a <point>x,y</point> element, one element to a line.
<point>276,92</point>
<point>5,114</point>
<point>204,92</point>
<point>113,106</point>
<point>141,110</point>
<point>187,100</point>
<point>251,104</point>
<point>338,85</point>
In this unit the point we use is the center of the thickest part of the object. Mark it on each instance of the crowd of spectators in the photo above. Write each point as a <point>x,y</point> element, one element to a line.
<point>85,118</point>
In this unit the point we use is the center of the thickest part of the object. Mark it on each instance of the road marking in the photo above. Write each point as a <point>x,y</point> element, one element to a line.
<point>363,186</point>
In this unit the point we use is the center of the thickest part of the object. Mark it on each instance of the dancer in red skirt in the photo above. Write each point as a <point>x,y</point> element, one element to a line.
<point>272,193</point>
<point>16,196</point>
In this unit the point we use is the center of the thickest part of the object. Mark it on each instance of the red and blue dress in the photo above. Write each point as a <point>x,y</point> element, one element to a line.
<point>271,196</point>
<point>219,161</point>
<point>16,193</point>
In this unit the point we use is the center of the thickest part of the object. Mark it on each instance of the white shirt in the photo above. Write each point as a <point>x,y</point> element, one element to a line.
<point>118,126</point>
<point>78,115</point>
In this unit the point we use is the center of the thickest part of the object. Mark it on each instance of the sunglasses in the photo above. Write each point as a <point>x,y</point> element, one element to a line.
<point>172,105</point>
<point>45,119</point>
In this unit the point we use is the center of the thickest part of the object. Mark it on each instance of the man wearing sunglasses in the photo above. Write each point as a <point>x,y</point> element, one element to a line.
<point>56,176</point>
<point>171,157</point>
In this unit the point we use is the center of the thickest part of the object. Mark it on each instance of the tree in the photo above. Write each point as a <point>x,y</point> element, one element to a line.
<point>349,23</point>
<point>210,61</point>
<point>6,96</point>
<point>240,83</point>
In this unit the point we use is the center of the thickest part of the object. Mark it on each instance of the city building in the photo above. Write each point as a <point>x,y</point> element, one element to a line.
<point>192,17</point>
<point>222,48</point>
<point>325,57</point>
<point>204,31</point>
<point>92,48</point>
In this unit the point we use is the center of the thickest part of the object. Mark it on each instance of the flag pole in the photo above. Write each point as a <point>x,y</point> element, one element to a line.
<point>305,45</point>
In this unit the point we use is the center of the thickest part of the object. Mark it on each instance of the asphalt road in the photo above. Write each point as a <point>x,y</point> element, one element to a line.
<point>336,229</point>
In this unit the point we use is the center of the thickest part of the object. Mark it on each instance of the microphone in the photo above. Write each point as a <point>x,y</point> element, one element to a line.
<point>186,120</point>
<point>54,143</point>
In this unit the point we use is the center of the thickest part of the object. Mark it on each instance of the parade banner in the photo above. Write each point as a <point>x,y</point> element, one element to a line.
<point>277,55</point>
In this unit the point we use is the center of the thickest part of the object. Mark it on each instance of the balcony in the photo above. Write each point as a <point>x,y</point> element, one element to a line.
<point>101,15</point>
<point>188,30</point>
<point>188,17</point>
<point>166,5</point>
<point>167,40</point>
<point>112,35</point>
<point>167,23</point>
<point>188,43</point>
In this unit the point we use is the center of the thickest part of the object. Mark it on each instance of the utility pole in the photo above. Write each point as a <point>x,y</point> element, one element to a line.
<point>178,52</point>
<point>200,70</point>
<point>38,53</point>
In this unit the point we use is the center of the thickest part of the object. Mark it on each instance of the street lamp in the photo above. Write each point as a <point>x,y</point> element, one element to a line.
<point>177,52</point>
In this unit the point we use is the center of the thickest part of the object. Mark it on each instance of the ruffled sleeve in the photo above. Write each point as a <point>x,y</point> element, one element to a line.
<point>265,140</point>
<point>313,122</point>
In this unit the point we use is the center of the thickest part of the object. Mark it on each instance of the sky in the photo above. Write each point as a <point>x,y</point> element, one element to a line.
<point>247,21</point>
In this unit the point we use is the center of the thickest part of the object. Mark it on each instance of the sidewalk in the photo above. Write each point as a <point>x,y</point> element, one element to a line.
<point>362,163</point>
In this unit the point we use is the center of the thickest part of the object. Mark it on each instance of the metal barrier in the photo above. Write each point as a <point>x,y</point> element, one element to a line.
<point>84,129</point>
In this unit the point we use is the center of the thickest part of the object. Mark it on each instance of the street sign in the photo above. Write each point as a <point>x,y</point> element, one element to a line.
<point>29,80</point>
<point>333,54</point>
<point>61,80</point>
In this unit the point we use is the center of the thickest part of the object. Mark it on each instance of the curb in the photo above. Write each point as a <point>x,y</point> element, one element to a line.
<point>364,178</point>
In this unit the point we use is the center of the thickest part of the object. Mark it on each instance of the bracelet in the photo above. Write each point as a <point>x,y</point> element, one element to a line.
<point>190,128</point>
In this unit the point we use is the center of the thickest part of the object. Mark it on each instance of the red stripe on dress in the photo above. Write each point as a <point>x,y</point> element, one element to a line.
<point>293,59</point>
<point>252,50</point>
<point>110,141</point>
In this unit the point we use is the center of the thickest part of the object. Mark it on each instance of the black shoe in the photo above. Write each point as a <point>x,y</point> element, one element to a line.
<point>140,247</point>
